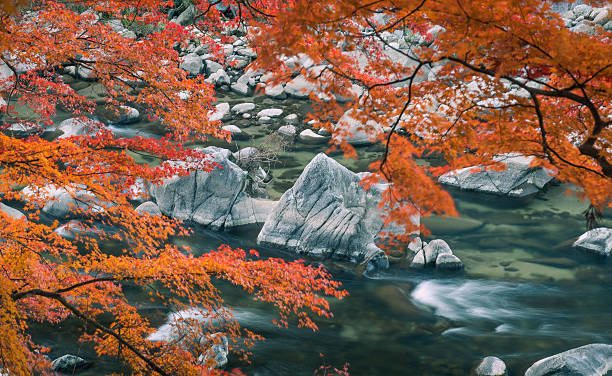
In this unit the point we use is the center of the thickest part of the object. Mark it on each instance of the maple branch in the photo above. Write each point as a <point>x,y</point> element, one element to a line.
<point>587,148</point>
<point>396,122</point>
<point>59,298</point>
<point>25,294</point>
<point>547,146</point>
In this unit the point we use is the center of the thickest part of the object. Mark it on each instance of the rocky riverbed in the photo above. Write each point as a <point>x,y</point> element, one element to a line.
<point>515,276</point>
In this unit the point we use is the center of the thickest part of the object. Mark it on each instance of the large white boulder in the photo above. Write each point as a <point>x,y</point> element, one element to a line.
<point>215,199</point>
<point>517,180</point>
<point>588,360</point>
<point>328,214</point>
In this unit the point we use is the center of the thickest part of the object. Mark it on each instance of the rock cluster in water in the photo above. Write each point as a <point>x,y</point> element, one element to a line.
<point>437,253</point>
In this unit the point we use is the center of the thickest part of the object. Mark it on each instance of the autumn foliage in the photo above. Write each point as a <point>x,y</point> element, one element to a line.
<point>45,277</point>
<point>497,77</point>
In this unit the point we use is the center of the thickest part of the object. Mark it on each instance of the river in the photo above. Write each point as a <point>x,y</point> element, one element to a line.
<point>524,294</point>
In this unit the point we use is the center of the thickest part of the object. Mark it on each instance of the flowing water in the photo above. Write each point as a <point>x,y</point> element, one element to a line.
<point>525,293</point>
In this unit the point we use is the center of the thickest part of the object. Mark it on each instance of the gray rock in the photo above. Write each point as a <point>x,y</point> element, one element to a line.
<point>582,10</point>
<point>438,253</point>
<point>517,180</point>
<point>307,136</point>
<point>354,131</point>
<point>245,154</point>
<point>248,78</point>
<point>219,78</point>
<point>220,112</point>
<point>276,92</point>
<point>435,248</point>
<point>212,67</point>
<point>62,204</point>
<point>588,360</point>
<point>291,119</point>
<point>186,18</point>
<point>264,120</point>
<point>148,207</point>
<point>270,112</point>
<point>241,88</point>
<point>128,115</point>
<point>237,133</point>
<point>327,213</point>
<point>448,262</point>
<point>227,49</point>
<point>73,228</point>
<point>247,52</point>
<point>128,34</point>
<point>138,191</point>
<point>75,127</point>
<point>5,74</point>
<point>193,64</point>
<point>287,131</point>
<point>601,16</point>
<point>176,329</point>
<point>11,212</point>
<point>324,132</point>
<point>248,211</point>
<point>69,363</point>
<point>299,87</point>
<point>207,198</point>
<point>22,129</point>
<point>585,29</point>
<point>238,62</point>
<point>491,366</point>
<point>218,351</point>
<point>598,241</point>
<point>241,108</point>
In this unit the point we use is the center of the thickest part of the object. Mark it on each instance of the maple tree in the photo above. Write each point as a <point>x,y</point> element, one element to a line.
<point>477,79</point>
<point>506,77</point>
<point>46,277</point>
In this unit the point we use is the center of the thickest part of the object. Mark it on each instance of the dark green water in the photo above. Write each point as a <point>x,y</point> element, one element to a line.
<point>525,293</point>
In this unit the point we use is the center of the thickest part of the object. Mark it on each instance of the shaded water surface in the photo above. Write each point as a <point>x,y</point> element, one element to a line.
<point>525,293</point>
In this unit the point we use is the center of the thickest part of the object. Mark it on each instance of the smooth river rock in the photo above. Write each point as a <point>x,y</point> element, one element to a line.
<point>597,240</point>
<point>437,252</point>
<point>491,366</point>
<point>327,214</point>
<point>517,180</point>
<point>69,364</point>
<point>588,360</point>
<point>307,136</point>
